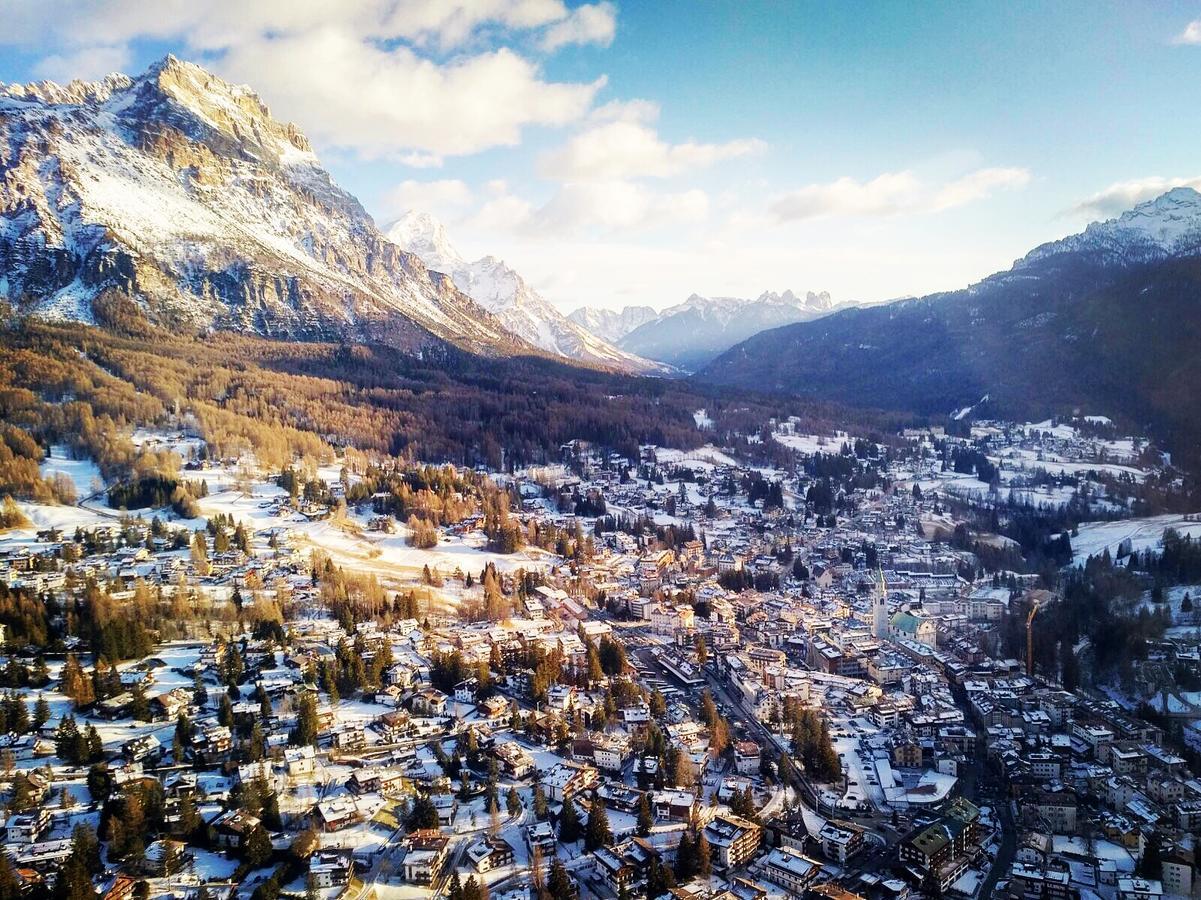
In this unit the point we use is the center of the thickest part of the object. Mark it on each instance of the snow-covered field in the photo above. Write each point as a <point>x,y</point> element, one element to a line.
<point>84,473</point>
<point>1143,534</point>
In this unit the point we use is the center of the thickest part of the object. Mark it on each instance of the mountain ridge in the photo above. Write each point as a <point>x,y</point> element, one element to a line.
<point>175,195</point>
<point>690,334</point>
<point>498,288</point>
<point>1104,321</point>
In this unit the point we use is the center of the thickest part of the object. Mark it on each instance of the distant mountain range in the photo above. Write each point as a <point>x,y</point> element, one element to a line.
<point>1106,321</point>
<point>505,294</point>
<point>692,333</point>
<point>610,324</point>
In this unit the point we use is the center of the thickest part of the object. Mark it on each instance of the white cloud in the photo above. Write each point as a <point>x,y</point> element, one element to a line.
<point>216,24</point>
<point>587,24</point>
<point>86,63</point>
<point>614,205</point>
<point>504,213</point>
<point>631,149</point>
<point>636,110</point>
<point>380,102</point>
<point>418,160</point>
<point>1191,33</point>
<point>883,195</point>
<point>444,198</point>
<point>1120,196</point>
<point>357,74</point>
<point>892,193</point>
<point>979,185</point>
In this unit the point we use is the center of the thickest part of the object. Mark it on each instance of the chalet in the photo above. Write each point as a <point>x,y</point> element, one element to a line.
<point>566,780</point>
<point>425,856</point>
<point>790,869</point>
<point>26,828</point>
<point>233,827</point>
<point>163,858</point>
<point>733,840</point>
<point>392,726</point>
<point>335,814</point>
<point>350,738</point>
<point>331,869</point>
<point>301,761</point>
<point>490,853</point>
<point>746,758</point>
<point>515,761</point>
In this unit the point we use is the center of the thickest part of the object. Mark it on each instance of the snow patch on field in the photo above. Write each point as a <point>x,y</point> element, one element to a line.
<point>1143,534</point>
<point>82,472</point>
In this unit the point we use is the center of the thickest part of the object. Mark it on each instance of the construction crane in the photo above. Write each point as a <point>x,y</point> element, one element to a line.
<point>1030,637</point>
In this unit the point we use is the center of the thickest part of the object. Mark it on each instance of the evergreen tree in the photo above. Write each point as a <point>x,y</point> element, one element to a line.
<point>704,856</point>
<point>685,857</point>
<point>597,832</point>
<point>559,885</point>
<point>1150,864</point>
<point>257,851</point>
<point>569,823</point>
<point>422,815</point>
<point>513,802</point>
<point>541,808</point>
<point>41,712</point>
<point>139,706</point>
<point>645,820</point>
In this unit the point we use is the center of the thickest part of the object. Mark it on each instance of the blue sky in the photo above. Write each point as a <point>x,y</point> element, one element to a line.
<point>638,152</point>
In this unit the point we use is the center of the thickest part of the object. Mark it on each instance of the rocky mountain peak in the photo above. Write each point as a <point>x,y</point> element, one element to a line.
<point>423,234</point>
<point>1167,225</point>
<point>180,193</point>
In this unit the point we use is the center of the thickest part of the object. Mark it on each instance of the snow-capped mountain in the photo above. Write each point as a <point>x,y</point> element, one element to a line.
<point>610,324</point>
<point>505,294</point>
<point>1169,225</point>
<point>691,333</point>
<point>177,193</point>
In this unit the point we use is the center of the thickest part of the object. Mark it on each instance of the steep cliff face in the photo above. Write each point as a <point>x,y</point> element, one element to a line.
<point>180,192</point>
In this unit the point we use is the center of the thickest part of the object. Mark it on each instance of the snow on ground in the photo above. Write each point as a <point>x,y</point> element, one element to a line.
<point>67,518</point>
<point>83,472</point>
<point>1021,459</point>
<point>701,417</point>
<point>812,444</point>
<point>705,457</point>
<point>1144,534</point>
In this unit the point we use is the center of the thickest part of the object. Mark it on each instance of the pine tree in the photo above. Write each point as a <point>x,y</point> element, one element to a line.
<point>569,823</point>
<point>704,856</point>
<point>597,832</point>
<point>645,820</point>
<point>559,885</point>
<point>139,707</point>
<point>41,712</point>
<point>541,808</point>
<point>685,857</point>
<point>455,891</point>
<point>258,849</point>
<point>537,875</point>
<point>513,802</point>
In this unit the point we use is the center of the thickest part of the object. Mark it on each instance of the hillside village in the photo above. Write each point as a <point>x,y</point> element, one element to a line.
<point>682,675</point>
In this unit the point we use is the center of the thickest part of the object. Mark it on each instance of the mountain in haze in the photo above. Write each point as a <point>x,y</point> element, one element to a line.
<point>176,196</point>
<point>1107,321</point>
<point>612,325</point>
<point>692,333</point>
<point>505,294</point>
